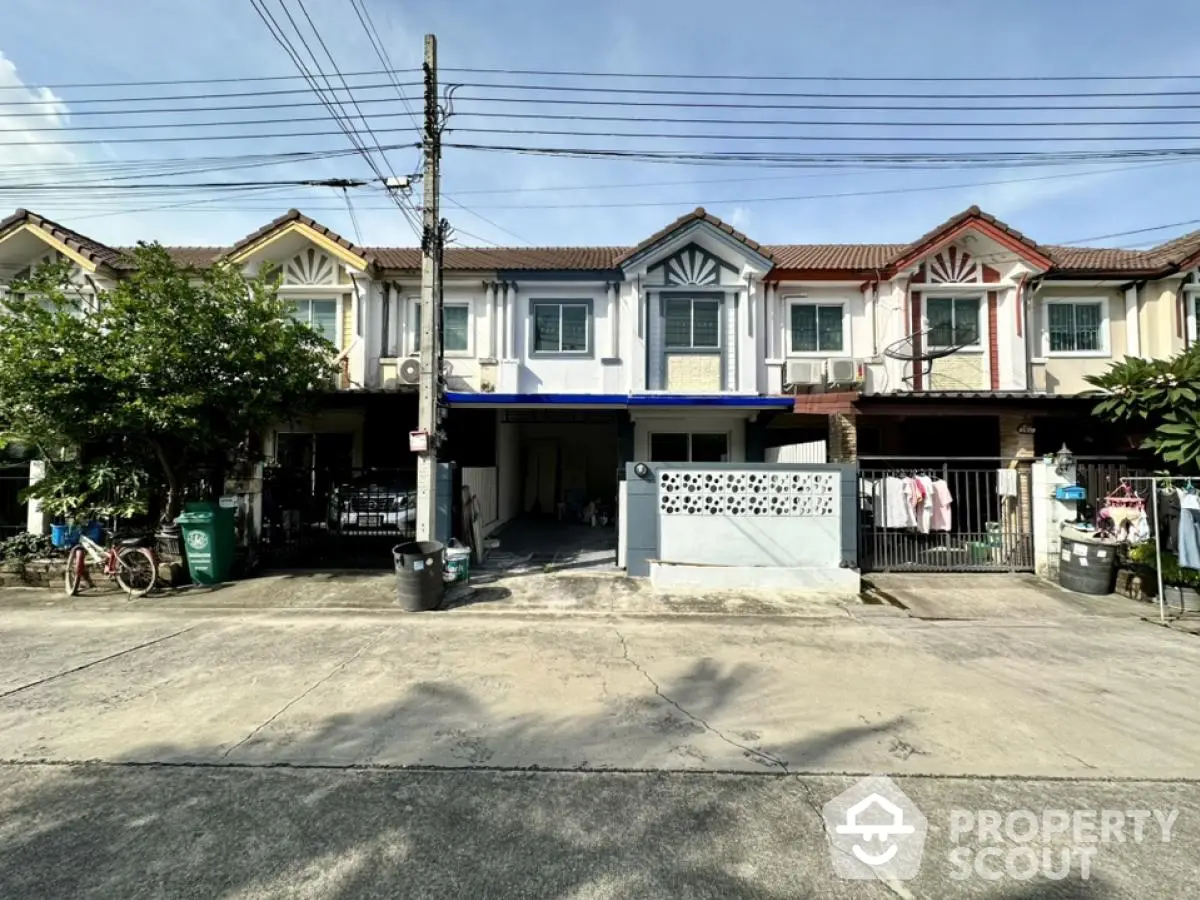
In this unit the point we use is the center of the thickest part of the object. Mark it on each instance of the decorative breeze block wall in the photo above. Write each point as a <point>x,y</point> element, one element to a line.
<point>721,492</point>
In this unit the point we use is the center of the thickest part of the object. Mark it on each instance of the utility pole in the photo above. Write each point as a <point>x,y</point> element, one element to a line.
<point>431,311</point>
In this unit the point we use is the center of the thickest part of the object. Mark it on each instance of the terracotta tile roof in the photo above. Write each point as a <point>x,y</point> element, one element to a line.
<point>1102,259</point>
<point>294,215</point>
<point>858,257</point>
<point>971,212</point>
<point>1178,249</point>
<point>198,257</point>
<point>699,214</point>
<point>472,258</point>
<point>92,251</point>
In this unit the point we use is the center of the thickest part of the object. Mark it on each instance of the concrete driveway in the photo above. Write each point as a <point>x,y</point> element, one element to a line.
<point>996,596</point>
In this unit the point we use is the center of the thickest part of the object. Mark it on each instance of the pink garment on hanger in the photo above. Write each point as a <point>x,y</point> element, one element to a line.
<point>941,506</point>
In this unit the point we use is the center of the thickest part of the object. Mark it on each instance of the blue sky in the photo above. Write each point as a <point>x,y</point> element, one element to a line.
<point>137,40</point>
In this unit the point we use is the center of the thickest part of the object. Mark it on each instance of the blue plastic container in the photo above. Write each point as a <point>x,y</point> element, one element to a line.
<point>63,536</point>
<point>95,532</point>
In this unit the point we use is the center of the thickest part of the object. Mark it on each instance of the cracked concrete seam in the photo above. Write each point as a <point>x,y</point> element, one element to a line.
<point>761,755</point>
<point>308,690</point>
<point>96,662</point>
<point>890,884</point>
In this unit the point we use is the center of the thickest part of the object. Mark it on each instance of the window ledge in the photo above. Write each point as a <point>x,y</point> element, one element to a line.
<point>819,354</point>
<point>972,350</point>
<point>1080,354</point>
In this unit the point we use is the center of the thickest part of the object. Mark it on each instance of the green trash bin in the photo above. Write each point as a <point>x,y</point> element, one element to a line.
<point>208,541</point>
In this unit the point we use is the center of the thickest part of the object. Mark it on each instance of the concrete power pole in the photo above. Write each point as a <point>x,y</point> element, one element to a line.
<point>431,312</point>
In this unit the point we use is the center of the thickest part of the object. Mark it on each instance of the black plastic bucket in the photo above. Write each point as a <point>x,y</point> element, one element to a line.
<point>419,574</point>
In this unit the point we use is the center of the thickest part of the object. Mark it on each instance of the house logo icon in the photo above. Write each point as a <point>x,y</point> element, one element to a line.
<point>875,831</point>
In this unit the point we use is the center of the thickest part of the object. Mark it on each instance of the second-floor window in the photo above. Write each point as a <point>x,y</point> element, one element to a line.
<point>456,324</point>
<point>817,328</point>
<point>561,327</point>
<point>692,324</point>
<point>1074,327</point>
<point>320,315</point>
<point>953,321</point>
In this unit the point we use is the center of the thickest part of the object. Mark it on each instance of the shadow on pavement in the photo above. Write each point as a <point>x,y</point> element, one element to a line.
<point>344,828</point>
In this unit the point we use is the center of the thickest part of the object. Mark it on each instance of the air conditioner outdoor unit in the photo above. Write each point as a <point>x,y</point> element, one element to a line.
<point>844,371</point>
<point>409,371</point>
<point>804,372</point>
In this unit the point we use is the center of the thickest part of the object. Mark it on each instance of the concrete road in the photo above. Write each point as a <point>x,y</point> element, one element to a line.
<point>729,735</point>
<point>1069,697</point>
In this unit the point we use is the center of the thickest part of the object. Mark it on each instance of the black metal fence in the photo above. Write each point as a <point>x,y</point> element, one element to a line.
<point>1101,476</point>
<point>343,517</point>
<point>987,527</point>
<point>14,478</point>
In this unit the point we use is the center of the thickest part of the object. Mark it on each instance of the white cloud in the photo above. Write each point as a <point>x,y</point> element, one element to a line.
<point>740,218</point>
<point>29,154</point>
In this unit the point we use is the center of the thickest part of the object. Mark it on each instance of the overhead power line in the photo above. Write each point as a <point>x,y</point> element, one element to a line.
<point>841,106</point>
<point>817,95</point>
<point>73,101</point>
<point>1007,158</point>
<point>826,138</point>
<point>682,76</point>
<point>232,79</point>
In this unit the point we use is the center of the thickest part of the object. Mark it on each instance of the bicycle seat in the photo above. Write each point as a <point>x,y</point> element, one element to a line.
<point>132,542</point>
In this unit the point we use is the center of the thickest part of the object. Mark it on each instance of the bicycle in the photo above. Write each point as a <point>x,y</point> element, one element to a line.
<point>129,561</point>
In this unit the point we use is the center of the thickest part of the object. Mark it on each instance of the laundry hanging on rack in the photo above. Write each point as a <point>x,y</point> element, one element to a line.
<point>1167,526</point>
<point>897,512</point>
<point>919,503</point>
<point>941,505</point>
<point>1006,482</point>
<point>1189,528</point>
<point>1123,515</point>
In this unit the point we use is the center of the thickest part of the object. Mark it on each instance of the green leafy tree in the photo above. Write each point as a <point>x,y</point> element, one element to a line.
<point>174,369</point>
<point>1159,397</point>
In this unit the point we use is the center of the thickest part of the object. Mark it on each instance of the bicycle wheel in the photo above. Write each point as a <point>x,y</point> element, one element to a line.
<point>136,571</point>
<point>75,570</point>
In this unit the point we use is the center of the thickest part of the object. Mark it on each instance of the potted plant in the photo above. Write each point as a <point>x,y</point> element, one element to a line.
<point>1181,587</point>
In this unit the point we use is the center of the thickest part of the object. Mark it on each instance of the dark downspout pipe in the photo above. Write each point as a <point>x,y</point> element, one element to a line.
<point>1027,290</point>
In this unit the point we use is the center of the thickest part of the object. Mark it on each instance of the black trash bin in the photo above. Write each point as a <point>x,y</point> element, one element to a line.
<point>419,568</point>
<point>1087,566</point>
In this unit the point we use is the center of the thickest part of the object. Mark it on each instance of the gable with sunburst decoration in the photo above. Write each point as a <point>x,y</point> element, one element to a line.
<point>693,265</point>
<point>310,266</point>
<point>954,266</point>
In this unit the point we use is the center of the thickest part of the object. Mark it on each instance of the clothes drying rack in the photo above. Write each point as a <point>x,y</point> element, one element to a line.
<point>1154,481</point>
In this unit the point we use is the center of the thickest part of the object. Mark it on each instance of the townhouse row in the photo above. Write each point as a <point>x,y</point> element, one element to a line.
<point>562,364</point>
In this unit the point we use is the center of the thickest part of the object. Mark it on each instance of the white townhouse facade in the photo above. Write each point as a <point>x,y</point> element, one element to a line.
<point>563,364</point>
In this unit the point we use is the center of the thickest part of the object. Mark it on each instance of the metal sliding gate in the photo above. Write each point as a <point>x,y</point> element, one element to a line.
<point>337,516</point>
<point>990,527</point>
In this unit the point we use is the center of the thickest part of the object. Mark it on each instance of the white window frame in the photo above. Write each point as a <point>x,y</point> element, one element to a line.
<point>296,295</point>
<point>980,324</point>
<point>1105,351</point>
<point>589,307</point>
<point>821,354</point>
<point>1191,293</point>
<point>414,336</point>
